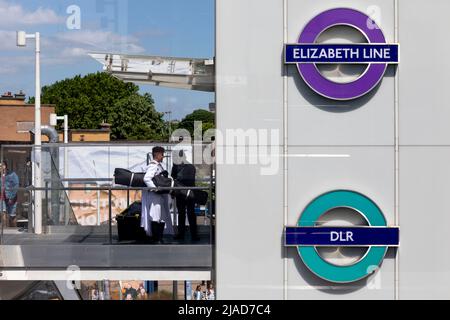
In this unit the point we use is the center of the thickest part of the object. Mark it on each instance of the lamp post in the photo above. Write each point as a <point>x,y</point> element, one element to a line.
<point>22,42</point>
<point>53,122</point>
<point>170,123</point>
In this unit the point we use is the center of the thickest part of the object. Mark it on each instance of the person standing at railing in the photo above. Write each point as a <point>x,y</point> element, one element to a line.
<point>198,294</point>
<point>94,294</point>
<point>129,292</point>
<point>155,218</point>
<point>9,184</point>
<point>210,294</point>
<point>184,172</point>
<point>142,294</point>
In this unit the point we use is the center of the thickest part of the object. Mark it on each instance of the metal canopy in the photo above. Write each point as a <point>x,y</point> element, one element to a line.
<point>183,73</point>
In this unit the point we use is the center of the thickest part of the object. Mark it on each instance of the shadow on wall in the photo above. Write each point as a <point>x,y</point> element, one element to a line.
<point>329,105</point>
<point>324,286</point>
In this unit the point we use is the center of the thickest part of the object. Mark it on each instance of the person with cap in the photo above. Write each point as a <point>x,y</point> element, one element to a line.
<point>155,218</point>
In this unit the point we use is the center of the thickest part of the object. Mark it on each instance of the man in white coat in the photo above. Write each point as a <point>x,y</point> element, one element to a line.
<point>155,218</point>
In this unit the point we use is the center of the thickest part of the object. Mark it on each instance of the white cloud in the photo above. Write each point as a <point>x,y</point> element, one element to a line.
<point>63,48</point>
<point>99,40</point>
<point>12,65</point>
<point>7,40</point>
<point>15,15</point>
<point>172,100</point>
<point>74,52</point>
<point>8,70</point>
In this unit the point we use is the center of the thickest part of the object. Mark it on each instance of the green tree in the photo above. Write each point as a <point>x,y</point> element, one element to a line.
<point>98,97</point>
<point>135,118</point>
<point>207,118</point>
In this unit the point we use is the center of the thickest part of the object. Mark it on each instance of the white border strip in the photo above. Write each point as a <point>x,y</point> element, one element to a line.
<point>397,155</point>
<point>97,275</point>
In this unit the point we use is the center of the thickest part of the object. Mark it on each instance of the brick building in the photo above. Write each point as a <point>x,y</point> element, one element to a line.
<point>17,118</point>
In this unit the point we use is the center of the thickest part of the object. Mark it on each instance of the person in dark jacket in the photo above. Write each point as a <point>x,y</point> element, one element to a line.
<point>9,183</point>
<point>184,172</point>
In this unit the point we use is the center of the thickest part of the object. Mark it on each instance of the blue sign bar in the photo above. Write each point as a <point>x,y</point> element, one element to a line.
<point>342,236</point>
<point>342,53</point>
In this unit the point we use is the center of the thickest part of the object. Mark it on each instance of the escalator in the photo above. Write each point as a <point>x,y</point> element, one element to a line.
<point>29,290</point>
<point>57,204</point>
<point>37,290</point>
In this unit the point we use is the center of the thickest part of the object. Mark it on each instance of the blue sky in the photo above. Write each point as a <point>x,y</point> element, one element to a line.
<point>180,28</point>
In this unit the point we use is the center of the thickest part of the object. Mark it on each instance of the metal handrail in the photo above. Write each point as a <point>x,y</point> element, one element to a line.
<point>117,144</point>
<point>79,180</point>
<point>112,188</point>
<point>109,186</point>
<point>103,179</point>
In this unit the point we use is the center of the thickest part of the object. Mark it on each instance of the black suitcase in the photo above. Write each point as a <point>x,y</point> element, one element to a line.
<point>129,223</point>
<point>201,197</point>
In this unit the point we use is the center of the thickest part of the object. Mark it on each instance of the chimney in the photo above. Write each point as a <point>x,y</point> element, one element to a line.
<point>8,99</point>
<point>20,96</point>
<point>7,95</point>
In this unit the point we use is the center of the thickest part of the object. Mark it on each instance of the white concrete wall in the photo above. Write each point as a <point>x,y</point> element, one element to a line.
<point>250,95</point>
<point>251,260</point>
<point>425,150</point>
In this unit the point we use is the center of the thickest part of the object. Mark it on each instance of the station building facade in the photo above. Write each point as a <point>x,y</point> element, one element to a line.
<point>357,147</point>
<point>388,144</point>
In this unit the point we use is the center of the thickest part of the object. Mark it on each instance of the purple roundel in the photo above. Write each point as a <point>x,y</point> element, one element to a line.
<point>342,91</point>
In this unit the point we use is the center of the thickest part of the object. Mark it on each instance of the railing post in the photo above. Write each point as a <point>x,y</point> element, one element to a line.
<point>98,204</point>
<point>175,290</point>
<point>46,207</point>
<point>30,211</point>
<point>110,214</point>
<point>2,221</point>
<point>210,204</point>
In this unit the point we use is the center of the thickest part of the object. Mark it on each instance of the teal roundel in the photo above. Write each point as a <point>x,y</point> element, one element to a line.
<point>373,257</point>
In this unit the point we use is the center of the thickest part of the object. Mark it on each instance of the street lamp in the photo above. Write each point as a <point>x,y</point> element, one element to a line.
<point>54,121</point>
<point>22,42</point>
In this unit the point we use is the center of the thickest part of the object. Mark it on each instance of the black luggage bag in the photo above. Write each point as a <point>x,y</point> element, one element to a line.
<point>200,197</point>
<point>129,223</point>
<point>162,180</point>
<point>127,178</point>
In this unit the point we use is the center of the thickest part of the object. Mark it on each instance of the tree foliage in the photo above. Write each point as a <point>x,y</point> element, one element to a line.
<point>98,97</point>
<point>204,116</point>
<point>137,119</point>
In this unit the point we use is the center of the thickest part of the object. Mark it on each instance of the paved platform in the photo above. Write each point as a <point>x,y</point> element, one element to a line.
<point>90,235</point>
<point>90,247</point>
